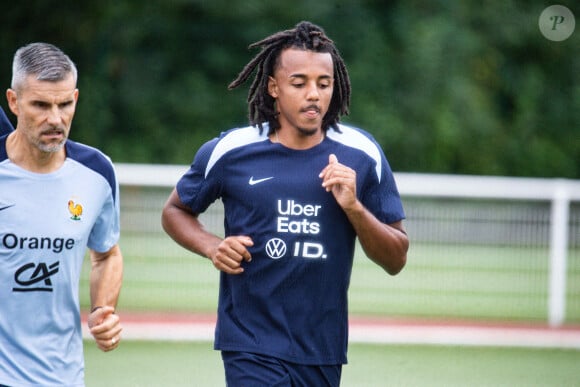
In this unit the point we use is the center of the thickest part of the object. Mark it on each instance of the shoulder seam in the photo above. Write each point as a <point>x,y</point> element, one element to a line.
<point>356,138</point>
<point>233,139</point>
<point>95,160</point>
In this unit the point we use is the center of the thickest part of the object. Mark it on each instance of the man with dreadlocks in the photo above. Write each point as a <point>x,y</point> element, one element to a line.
<point>298,188</point>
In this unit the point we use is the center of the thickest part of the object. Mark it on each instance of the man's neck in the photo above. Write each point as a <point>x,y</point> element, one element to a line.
<point>30,158</point>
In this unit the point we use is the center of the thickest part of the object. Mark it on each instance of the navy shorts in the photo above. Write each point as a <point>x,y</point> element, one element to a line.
<point>245,369</point>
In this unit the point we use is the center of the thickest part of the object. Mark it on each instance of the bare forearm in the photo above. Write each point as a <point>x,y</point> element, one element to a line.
<point>190,233</point>
<point>384,244</point>
<point>187,230</point>
<point>106,277</point>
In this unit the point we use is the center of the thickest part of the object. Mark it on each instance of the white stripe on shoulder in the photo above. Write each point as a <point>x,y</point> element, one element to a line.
<point>234,139</point>
<point>355,139</point>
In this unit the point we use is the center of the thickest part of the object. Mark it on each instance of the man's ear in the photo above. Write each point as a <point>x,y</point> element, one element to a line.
<point>12,99</point>
<point>272,87</point>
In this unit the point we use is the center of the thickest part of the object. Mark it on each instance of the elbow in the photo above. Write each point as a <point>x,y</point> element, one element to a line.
<point>392,262</point>
<point>170,214</point>
<point>397,265</point>
<point>165,219</point>
<point>391,258</point>
<point>399,258</point>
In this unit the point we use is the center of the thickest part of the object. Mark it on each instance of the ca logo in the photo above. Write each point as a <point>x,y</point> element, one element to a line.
<point>31,274</point>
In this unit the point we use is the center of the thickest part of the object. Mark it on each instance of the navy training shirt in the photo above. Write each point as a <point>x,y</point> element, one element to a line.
<point>5,124</point>
<point>291,300</point>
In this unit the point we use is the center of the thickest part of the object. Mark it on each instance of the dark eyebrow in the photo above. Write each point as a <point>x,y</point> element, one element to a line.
<point>302,76</point>
<point>42,101</point>
<point>39,102</point>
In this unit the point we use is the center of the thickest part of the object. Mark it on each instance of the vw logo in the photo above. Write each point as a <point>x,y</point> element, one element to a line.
<point>275,248</point>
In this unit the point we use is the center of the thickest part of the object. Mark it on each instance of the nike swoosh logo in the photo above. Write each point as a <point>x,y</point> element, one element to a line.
<point>8,206</point>
<point>254,182</point>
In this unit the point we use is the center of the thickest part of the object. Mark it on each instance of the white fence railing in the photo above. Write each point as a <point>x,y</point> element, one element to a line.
<point>559,192</point>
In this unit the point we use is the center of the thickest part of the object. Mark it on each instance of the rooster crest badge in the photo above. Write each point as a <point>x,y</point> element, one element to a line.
<point>76,210</point>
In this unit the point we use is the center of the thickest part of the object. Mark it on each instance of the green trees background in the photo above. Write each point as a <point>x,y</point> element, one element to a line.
<point>445,86</point>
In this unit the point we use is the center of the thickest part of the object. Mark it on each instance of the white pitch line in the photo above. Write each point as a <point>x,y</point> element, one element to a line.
<point>463,335</point>
<point>379,334</point>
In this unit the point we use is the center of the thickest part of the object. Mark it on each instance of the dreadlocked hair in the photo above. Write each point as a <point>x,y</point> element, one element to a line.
<point>305,36</point>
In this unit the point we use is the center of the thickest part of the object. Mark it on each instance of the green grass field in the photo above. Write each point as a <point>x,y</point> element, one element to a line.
<point>466,282</point>
<point>450,280</point>
<point>476,282</point>
<point>171,364</point>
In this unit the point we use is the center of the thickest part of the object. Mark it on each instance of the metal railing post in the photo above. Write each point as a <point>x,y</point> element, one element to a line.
<point>560,213</point>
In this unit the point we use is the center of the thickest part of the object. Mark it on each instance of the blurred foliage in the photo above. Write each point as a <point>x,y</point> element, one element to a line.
<point>445,86</point>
